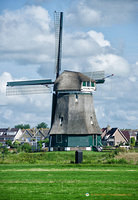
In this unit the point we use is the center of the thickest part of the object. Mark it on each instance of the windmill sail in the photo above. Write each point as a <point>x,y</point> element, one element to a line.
<point>98,76</point>
<point>58,41</point>
<point>58,51</point>
<point>28,87</point>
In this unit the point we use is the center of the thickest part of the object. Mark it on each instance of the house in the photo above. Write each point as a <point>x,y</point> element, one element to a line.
<point>32,136</point>
<point>12,134</point>
<point>26,136</point>
<point>134,134</point>
<point>113,137</point>
<point>129,133</point>
<point>23,136</point>
<point>126,134</point>
<point>42,134</point>
<point>105,130</point>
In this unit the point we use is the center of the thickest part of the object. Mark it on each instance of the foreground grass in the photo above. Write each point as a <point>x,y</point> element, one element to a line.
<point>54,175</point>
<point>70,181</point>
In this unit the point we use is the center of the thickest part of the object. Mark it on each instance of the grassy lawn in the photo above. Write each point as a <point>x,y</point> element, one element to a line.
<point>89,157</point>
<point>62,180</point>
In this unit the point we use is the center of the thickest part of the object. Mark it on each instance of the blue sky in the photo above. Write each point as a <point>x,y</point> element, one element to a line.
<point>98,35</point>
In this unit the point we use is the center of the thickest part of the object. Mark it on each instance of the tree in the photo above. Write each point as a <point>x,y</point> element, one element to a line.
<point>42,125</point>
<point>132,142</point>
<point>26,147</point>
<point>39,145</point>
<point>1,145</point>
<point>16,144</point>
<point>41,142</point>
<point>9,143</point>
<point>22,126</point>
<point>46,141</point>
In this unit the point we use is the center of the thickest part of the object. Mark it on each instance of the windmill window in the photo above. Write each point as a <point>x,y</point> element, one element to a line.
<point>84,83</point>
<point>60,120</point>
<point>88,83</point>
<point>91,120</point>
<point>92,84</point>
<point>59,138</point>
<point>76,100</point>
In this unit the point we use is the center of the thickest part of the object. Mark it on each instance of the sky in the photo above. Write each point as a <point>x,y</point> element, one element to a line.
<point>97,35</point>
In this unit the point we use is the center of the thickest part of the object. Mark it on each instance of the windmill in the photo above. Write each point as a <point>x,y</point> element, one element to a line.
<point>73,120</point>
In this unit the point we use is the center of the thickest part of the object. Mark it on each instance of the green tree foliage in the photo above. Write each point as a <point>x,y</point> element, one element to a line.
<point>26,147</point>
<point>22,126</point>
<point>132,142</point>
<point>16,144</point>
<point>5,150</point>
<point>40,143</point>
<point>9,143</point>
<point>46,141</point>
<point>42,125</point>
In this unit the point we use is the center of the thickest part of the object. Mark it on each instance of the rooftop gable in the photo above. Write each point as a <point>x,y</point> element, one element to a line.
<point>112,131</point>
<point>126,134</point>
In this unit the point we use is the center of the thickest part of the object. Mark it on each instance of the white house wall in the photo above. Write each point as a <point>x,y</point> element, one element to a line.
<point>119,138</point>
<point>18,135</point>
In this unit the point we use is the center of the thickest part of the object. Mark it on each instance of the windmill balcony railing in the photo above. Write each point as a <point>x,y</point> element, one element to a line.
<point>88,89</point>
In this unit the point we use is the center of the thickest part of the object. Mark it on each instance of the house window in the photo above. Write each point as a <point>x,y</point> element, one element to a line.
<point>58,138</point>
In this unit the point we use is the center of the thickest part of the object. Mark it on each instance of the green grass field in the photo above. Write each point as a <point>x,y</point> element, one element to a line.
<point>62,180</point>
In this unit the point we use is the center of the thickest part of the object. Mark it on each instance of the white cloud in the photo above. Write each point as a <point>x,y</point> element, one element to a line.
<point>132,78</point>
<point>31,109</point>
<point>110,63</point>
<point>4,78</point>
<point>26,35</point>
<point>83,15</point>
<point>87,13</point>
<point>99,38</point>
<point>8,114</point>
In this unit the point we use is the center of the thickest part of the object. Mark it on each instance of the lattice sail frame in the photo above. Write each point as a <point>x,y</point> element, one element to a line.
<point>27,90</point>
<point>29,87</point>
<point>98,76</point>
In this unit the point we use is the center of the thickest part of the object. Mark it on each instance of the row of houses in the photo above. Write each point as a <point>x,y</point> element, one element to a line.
<point>110,136</point>
<point>30,136</point>
<point>115,136</point>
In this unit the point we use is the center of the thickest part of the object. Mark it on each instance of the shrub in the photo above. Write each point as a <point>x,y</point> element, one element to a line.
<point>9,143</point>
<point>122,161</point>
<point>16,144</point>
<point>26,148</point>
<point>116,161</point>
<point>132,141</point>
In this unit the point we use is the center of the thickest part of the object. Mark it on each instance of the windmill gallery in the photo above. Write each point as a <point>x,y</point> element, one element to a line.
<point>73,122</point>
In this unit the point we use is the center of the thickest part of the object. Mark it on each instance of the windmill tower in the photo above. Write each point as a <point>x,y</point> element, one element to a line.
<point>73,120</point>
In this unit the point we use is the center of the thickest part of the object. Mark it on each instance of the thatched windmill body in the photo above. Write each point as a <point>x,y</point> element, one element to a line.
<point>73,122</point>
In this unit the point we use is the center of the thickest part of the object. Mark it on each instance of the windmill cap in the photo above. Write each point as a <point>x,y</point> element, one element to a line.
<point>70,81</point>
